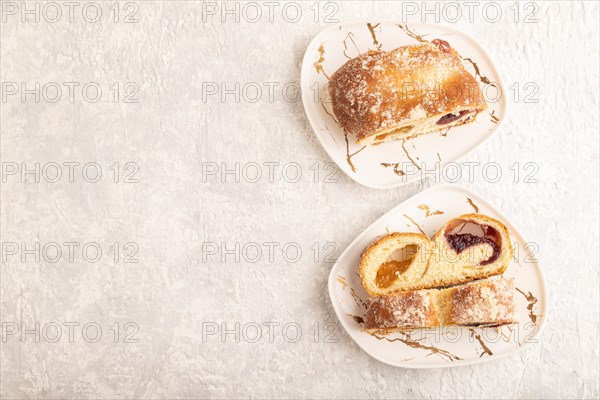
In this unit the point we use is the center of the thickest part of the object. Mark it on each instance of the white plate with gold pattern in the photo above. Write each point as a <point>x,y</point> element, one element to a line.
<point>449,346</point>
<point>394,163</point>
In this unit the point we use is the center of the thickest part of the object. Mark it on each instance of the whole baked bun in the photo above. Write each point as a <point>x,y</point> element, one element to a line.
<point>390,95</point>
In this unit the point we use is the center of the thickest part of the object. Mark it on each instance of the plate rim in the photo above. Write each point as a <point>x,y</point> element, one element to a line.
<point>306,94</point>
<point>331,281</point>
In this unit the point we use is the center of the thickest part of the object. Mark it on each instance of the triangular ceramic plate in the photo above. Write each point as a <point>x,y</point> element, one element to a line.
<point>451,346</point>
<point>395,163</point>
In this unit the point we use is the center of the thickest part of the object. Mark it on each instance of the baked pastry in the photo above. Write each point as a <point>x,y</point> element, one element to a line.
<point>395,262</point>
<point>469,247</point>
<point>412,90</point>
<point>488,302</point>
<point>472,246</point>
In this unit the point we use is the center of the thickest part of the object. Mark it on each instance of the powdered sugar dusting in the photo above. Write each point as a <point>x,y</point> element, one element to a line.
<point>408,309</point>
<point>483,302</point>
<point>379,89</point>
<point>486,301</point>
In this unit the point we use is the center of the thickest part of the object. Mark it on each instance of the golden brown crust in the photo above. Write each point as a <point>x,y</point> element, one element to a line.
<point>503,241</point>
<point>403,311</point>
<point>487,302</point>
<point>369,256</point>
<point>378,92</point>
<point>437,263</point>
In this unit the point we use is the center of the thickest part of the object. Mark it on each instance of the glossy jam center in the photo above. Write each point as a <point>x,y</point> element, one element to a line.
<point>448,118</point>
<point>398,263</point>
<point>461,241</point>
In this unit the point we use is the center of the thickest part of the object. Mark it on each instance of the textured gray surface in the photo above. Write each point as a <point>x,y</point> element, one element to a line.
<point>178,290</point>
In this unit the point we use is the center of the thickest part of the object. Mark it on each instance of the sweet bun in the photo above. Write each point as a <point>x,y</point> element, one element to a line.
<point>394,262</point>
<point>483,303</point>
<point>469,247</point>
<point>472,246</point>
<point>390,95</point>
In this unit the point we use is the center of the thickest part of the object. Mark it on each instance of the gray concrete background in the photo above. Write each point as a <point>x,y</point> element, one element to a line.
<point>168,321</point>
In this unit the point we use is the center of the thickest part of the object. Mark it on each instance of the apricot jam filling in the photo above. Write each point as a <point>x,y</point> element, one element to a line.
<point>398,262</point>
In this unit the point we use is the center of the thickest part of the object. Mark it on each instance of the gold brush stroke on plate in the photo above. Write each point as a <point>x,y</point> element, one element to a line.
<point>397,170</point>
<point>486,350</point>
<point>414,223</point>
<point>319,63</point>
<point>481,77</point>
<point>419,38</point>
<point>416,345</point>
<point>428,212</point>
<point>373,35</point>
<point>493,117</point>
<point>472,204</point>
<point>342,279</point>
<point>408,155</point>
<point>348,155</point>
<point>531,300</point>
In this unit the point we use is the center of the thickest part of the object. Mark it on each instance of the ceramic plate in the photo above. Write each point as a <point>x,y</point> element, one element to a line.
<point>450,346</point>
<point>394,163</point>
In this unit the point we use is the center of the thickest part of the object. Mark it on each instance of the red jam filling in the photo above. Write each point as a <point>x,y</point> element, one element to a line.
<point>448,118</point>
<point>461,241</point>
